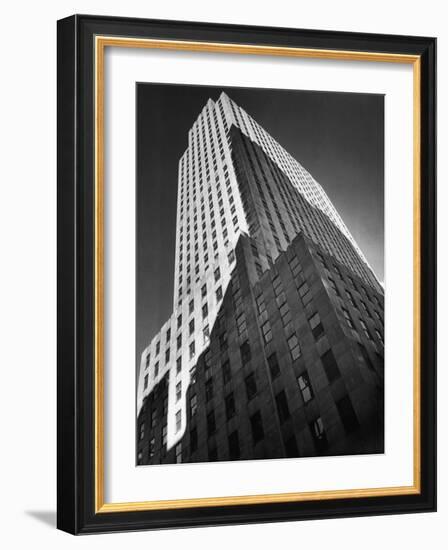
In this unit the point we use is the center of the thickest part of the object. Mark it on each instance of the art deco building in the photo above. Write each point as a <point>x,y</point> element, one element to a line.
<point>275,344</point>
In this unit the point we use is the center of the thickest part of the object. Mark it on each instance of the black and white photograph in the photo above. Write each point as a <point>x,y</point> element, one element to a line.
<point>259,274</point>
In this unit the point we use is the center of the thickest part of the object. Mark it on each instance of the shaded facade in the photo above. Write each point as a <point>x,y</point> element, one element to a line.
<point>275,346</point>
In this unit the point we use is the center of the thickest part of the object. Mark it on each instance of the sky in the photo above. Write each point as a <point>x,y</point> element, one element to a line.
<point>338,137</point>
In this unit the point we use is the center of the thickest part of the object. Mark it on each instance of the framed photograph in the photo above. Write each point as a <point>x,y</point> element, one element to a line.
<point>246,274</point>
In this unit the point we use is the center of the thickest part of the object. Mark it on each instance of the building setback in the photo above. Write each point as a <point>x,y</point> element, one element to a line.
<point>275,345</point>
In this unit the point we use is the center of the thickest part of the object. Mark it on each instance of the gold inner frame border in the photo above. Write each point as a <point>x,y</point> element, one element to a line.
<point>100,44</point>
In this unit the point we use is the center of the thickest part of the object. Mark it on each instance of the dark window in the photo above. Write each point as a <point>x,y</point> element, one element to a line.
<point>178,364</point>
<point>152,445</point>
<point>217,274</point>
<point>347,414</point>
<point>179,341</point>
<point>230,406</point>
<point>145,385</point>
<point>226,372</point>
<point>191,326</point>
<point>191,306</point>
<point>331,367</point>
<point>291,447</point>
<point>334,286</point>
<point>274,368</point>
<point>305,388</point>
<point>211,423</point>
<point>256,425</point>
<point>245,352</point>
<point>234,446</point>
<point>223,340</point>
<point>316,326</point>
<point>167,355</point>
<point>193,440</point>
<point>204,291</point>
<point>251,386</point>
<point>282,406</point>
<point>204,311</point>
<point>319,436</point>
<point>365,329</point>
<point>218,294</point>
<point>209,389</point>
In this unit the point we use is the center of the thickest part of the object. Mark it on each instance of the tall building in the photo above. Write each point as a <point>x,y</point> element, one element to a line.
<point>275,344</point>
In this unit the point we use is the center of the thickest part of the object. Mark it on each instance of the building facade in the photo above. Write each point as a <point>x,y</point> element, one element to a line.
<point>275,344</point>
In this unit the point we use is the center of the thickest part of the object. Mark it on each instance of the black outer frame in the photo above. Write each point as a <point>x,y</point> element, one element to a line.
<point>75,172</point>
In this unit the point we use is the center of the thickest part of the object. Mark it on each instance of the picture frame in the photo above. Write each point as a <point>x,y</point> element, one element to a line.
<point>82,194</point>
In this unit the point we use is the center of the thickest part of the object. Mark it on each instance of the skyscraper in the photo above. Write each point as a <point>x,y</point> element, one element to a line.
<point>277,316</point>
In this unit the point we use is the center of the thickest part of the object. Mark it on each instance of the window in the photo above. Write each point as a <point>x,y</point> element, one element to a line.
<point>347,414</point>
<point>274,368</point>
<point>316,326</point>
<point>348,318</point>
<point>193,375</point>
<point>148,358</point>
<point>223,340</point>
<point>241,325</point>
<point>366,309</point>
<point>305,293</point>
<point>282,406</point>
<point>219,294</point>
<point>365,329</point>
<point>204,291</point>
<point>211,423</point>
<point>285,314</point>
<point>206,333</point>
<point>168,335</point>
<point>234,446</point>
<point>251,386</point>
<point>245,352</point>
<point>191,306</point>
<point>157,348</point>
<point>256,425</point>
<point>178,391</point>
<point>204,311</point>
<point>230,406</point>
<point>267,333</point>
<point>145,385</point>
<point>330,366</point>
<point>153,418</point>
<point>333,286</point>
<point>179,321</point>
<point>165,406</point>
<point>231,257</point>
<point>178,420</point>
<point>178,452</point>
<point>209,389</point>
<point>217,274</point>
<point>350,298</point>
<point>193,439</point>
<point>167,355</point>
<point>318,433</point>
<point>142,430</point>
<point>179,341</point>
<point>192,350</point>
<point>156,370</point>
<point>193,405</point>
<point>226,372</point>
<point>164,434</point>
<point>379,336</point>
<point>139,457</point>
<point>191,327</point>
<point>305,388</point>
<point>294,346</point>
